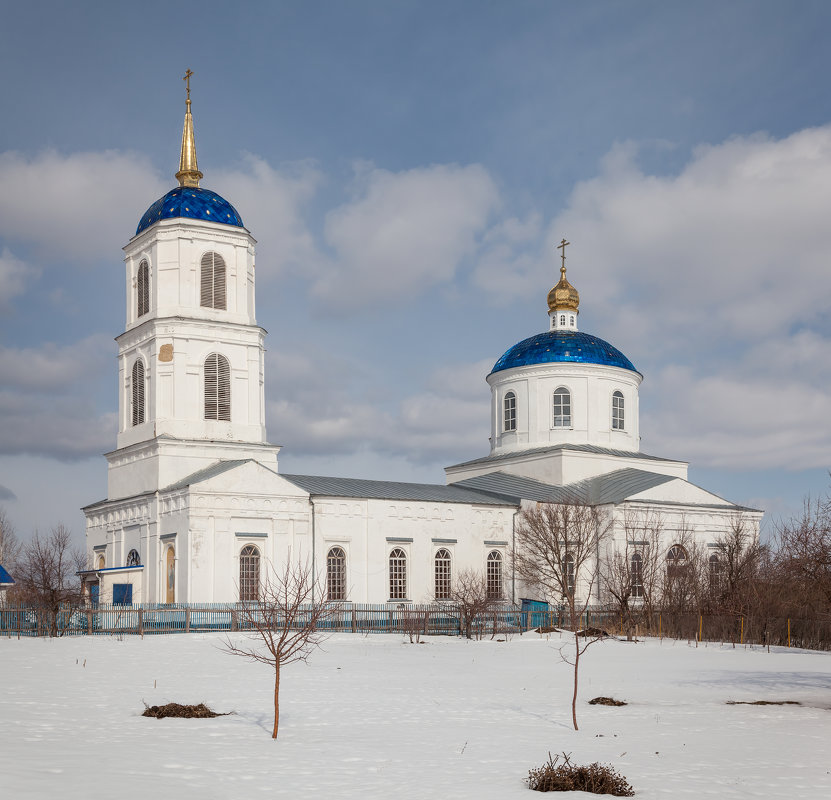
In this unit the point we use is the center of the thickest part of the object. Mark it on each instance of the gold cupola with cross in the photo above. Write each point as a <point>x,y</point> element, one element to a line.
<point>563,299</point>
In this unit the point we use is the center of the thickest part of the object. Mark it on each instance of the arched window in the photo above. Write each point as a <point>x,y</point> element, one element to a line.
<point>133,559</point>
<point>212,294</point>
<point>617,411</point>
<point>217,388</point>
<point>170,567</point>
<point>562,319</point>
<point>249,574</point>
<point>137,392</point>
<point>510,411</point>
<point>494,575</point>
<point>636,574</point>
<point>398,574</point>
<point>571,320</point>
<point>561,408</point>
<point>676,562</point>
<point>569,565</point>
<point>716,570</point>
<point>442,572</point>
<point>336,574</point>
<point>101,562</point>
<point>143,289</point>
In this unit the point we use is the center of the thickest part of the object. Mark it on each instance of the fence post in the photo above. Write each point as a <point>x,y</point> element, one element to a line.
<point>233,620</point>
<point>789,633</point>
<point>354,619</point>
<point>141,622</point>
<point>187,620</point>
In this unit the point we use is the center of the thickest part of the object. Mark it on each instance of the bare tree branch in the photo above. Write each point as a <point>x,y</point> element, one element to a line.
<point>285,619</point>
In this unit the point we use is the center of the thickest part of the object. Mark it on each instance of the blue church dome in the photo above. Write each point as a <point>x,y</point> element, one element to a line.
<point>191,202</point>
<point>563,346</point>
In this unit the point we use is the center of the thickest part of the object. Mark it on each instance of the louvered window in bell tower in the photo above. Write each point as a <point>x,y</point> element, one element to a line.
<point>212,287</point>
<point>137,390</point>
<point>143,289</point>
<point>217,388</point>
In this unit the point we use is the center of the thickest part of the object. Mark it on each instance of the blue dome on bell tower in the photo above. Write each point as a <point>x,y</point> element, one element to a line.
<point>191,202</point>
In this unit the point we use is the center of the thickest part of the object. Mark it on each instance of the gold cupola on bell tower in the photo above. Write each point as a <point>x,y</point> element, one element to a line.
<point>188,174</point>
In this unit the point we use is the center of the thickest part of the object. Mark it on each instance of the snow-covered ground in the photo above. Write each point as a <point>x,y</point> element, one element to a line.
<point>378,717</point>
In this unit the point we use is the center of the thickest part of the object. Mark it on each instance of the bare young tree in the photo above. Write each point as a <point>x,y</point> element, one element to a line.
<point>732,565</point>
<point>47,575</point>
<point>471,599</point>
<point>631,574</point>
<point>9,543</point>
<point>286,619</point>
<point>557,550</point>
<point>804,547</point>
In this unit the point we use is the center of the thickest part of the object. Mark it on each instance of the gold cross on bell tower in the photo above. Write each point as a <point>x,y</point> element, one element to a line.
<point>562,246</point>
<point>186,79</point>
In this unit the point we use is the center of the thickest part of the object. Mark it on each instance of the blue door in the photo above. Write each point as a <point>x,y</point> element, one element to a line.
<point>122,594</point>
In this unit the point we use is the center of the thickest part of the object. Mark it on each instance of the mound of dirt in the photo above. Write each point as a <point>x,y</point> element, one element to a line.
<point>763,703</point>
<point>606,701</point>
<point>543,629</point>
<point>592,633</point>
<point>200,711</point>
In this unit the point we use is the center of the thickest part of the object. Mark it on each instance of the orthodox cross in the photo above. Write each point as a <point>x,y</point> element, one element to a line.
<point>562,246</point>
<point>186,79</point>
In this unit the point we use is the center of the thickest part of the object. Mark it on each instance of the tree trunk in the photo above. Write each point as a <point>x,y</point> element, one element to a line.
<point>576,665</point>
<point>276,699</point>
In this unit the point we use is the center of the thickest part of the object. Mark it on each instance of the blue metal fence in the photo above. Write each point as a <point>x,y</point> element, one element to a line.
<point>147,619</point>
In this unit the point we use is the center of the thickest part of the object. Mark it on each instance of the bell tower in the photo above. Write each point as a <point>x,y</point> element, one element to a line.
<point>191,357</point>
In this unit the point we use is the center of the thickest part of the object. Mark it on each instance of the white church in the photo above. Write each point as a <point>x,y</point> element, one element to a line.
<point>196,505</point>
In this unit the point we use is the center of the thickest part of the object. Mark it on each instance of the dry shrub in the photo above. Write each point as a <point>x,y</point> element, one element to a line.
<point>567,777</point>
<point>606,701</point>
<point>200,711</point>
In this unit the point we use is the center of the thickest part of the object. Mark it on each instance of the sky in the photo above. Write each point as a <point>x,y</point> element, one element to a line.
<point>407,169</point>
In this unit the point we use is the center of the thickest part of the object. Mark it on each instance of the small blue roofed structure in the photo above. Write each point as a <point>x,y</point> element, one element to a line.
<point>6,580</point>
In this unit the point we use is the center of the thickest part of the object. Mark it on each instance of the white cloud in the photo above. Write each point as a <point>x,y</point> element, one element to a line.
<point>732,421</point>
<point>51,366</point>
<point>78,207</point>
<point>271,203</point>
<point>47,399</point>
<point>404,232</point>
<point>737,242</point>
<point>316,411</point>
<point>13,276</point>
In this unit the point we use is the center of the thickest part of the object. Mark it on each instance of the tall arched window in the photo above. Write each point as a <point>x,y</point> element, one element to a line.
<point>143,289</point>
<point>561,408</point>
<point>636,574</point>
<point>570,582</point>
<point>494,575</point>
<point>217,388</point>
<point>398,574</point>
<point>617,412</point>
<point>716,571</point>
<point>249,574</point>
<point>137,392</point>
<point>336,574</point>
<point>212,294</point>
<point>442,573</point>
<point>510,411</point>
<point>676,562</point>
<point>170,569</point>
